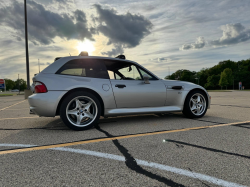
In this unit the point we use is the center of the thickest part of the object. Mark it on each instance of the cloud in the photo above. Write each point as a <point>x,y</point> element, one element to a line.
<point>163,60</point>
<point>115,51</point>
<point>44,25</point>
<point>59,5</point>
<point>232,34</point>
<point>124,31</point>
<point>200,43</point>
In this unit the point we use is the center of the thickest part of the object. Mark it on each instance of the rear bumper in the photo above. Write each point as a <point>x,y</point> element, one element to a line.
<point>45,104</point>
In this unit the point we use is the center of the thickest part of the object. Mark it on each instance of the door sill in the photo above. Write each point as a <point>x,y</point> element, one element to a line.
<point>144,110</point>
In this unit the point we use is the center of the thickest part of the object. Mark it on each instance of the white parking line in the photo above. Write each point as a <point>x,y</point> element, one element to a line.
<point>141,162</point>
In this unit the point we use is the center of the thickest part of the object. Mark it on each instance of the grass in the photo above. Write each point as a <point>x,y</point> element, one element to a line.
<point>4,95</point>
<point>219,90</point>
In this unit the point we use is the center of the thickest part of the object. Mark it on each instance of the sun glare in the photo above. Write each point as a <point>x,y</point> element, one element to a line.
<point>86,45</point>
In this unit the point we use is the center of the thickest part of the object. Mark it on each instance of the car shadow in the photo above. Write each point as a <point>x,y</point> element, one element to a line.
<point>143,119</point>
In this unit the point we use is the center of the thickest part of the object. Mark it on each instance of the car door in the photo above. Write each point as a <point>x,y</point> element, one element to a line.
<point>132,92</point>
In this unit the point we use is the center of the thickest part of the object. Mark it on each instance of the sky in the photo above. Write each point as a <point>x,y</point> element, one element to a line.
<point>161,35</point>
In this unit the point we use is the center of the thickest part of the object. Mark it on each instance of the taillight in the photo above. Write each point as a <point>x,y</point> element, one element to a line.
<point>40,87</point>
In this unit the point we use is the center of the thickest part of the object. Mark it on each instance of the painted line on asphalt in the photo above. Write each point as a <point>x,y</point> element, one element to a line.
<point>42,147</point>
<point>18,118</point>
<point>11,105</point>
<point>175,170</point>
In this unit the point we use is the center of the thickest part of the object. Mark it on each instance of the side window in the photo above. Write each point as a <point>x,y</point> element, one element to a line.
<point>117,77</point>
<point>122,70</point>
<point>145,73</point>
<point>84,68</point>
<point>111,74</point>
<point>72,68</point>
<point>130,73</point>
<point>74,71</point>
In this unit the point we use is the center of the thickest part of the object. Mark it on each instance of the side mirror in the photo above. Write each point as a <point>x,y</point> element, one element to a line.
<point>129,69</point>
<point>146,79</point>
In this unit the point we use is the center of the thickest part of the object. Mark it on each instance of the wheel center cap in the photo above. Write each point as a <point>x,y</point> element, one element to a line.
<point>81,111</point>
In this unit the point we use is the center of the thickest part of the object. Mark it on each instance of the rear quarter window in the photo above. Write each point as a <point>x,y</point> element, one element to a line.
<point>84,68</point>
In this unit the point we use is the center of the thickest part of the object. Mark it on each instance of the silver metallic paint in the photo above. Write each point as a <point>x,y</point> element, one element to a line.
<point>137,94</point>
<point>45,104</point>
<point>136,98</point>
<point>143,110</point>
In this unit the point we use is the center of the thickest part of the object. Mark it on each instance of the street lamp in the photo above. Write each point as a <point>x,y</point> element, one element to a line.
<point>18,84</point>
<point>198,79</point>
<point>27,92</point>
<point>27,48</point>
<point>38,65</point>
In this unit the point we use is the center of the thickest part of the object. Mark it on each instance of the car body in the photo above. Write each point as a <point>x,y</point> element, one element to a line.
<point>118,94</point>
<point>32,87</point>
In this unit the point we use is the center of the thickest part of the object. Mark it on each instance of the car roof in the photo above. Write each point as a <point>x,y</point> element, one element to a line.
<point>60,62</point>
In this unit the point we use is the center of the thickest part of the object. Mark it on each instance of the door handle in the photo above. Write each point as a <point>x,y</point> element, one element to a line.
<point>177,87</point>
<point>120,85</point>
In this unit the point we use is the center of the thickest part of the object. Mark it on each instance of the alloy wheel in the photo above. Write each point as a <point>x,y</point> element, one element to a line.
<point>197,104</point>
<point>81,111</point>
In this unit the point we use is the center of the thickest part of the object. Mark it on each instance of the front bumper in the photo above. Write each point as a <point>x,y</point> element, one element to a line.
<point>45,104</point>
<point>209,101</point>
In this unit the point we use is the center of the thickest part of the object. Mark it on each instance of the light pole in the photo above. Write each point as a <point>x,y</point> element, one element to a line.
<point>233,83</point>
<point>38,65</point>
<point>27,48</point>
<point>197,79</point>
<point>18,84</point>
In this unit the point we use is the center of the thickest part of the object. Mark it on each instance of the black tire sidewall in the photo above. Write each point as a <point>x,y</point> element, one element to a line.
<point>64,105</point>
<point>186,110</point>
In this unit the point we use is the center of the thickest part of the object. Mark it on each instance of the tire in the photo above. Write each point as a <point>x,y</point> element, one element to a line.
<point>80,110</point>
<point>194,107</point>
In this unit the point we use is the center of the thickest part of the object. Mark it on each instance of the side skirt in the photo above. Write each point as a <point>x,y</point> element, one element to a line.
<point>144,110</point>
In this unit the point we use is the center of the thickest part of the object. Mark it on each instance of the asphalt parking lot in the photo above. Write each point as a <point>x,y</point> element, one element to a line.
<point>144,150</point>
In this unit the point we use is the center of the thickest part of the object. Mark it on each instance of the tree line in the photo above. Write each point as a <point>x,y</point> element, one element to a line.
<point>19,83</point>
<point>225,75</point>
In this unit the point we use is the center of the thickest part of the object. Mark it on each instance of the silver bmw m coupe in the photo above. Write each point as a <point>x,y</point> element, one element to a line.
<point>82,88</point>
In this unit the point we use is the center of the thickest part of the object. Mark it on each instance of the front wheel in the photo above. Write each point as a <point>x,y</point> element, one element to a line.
<point>80,110</point>
<point>195,104</point>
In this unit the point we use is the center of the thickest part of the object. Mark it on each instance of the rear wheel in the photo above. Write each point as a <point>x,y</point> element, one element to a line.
<point>195,104</point>
<point>80,110</point>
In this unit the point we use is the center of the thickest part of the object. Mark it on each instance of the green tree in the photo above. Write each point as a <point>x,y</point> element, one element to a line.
<point>229,75</point>
<point>223,79</point>
<point>183,75</point>
<point>22,84</point>
<point>212,81</point>
<point>210,77</point>
<point>10,84</point>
